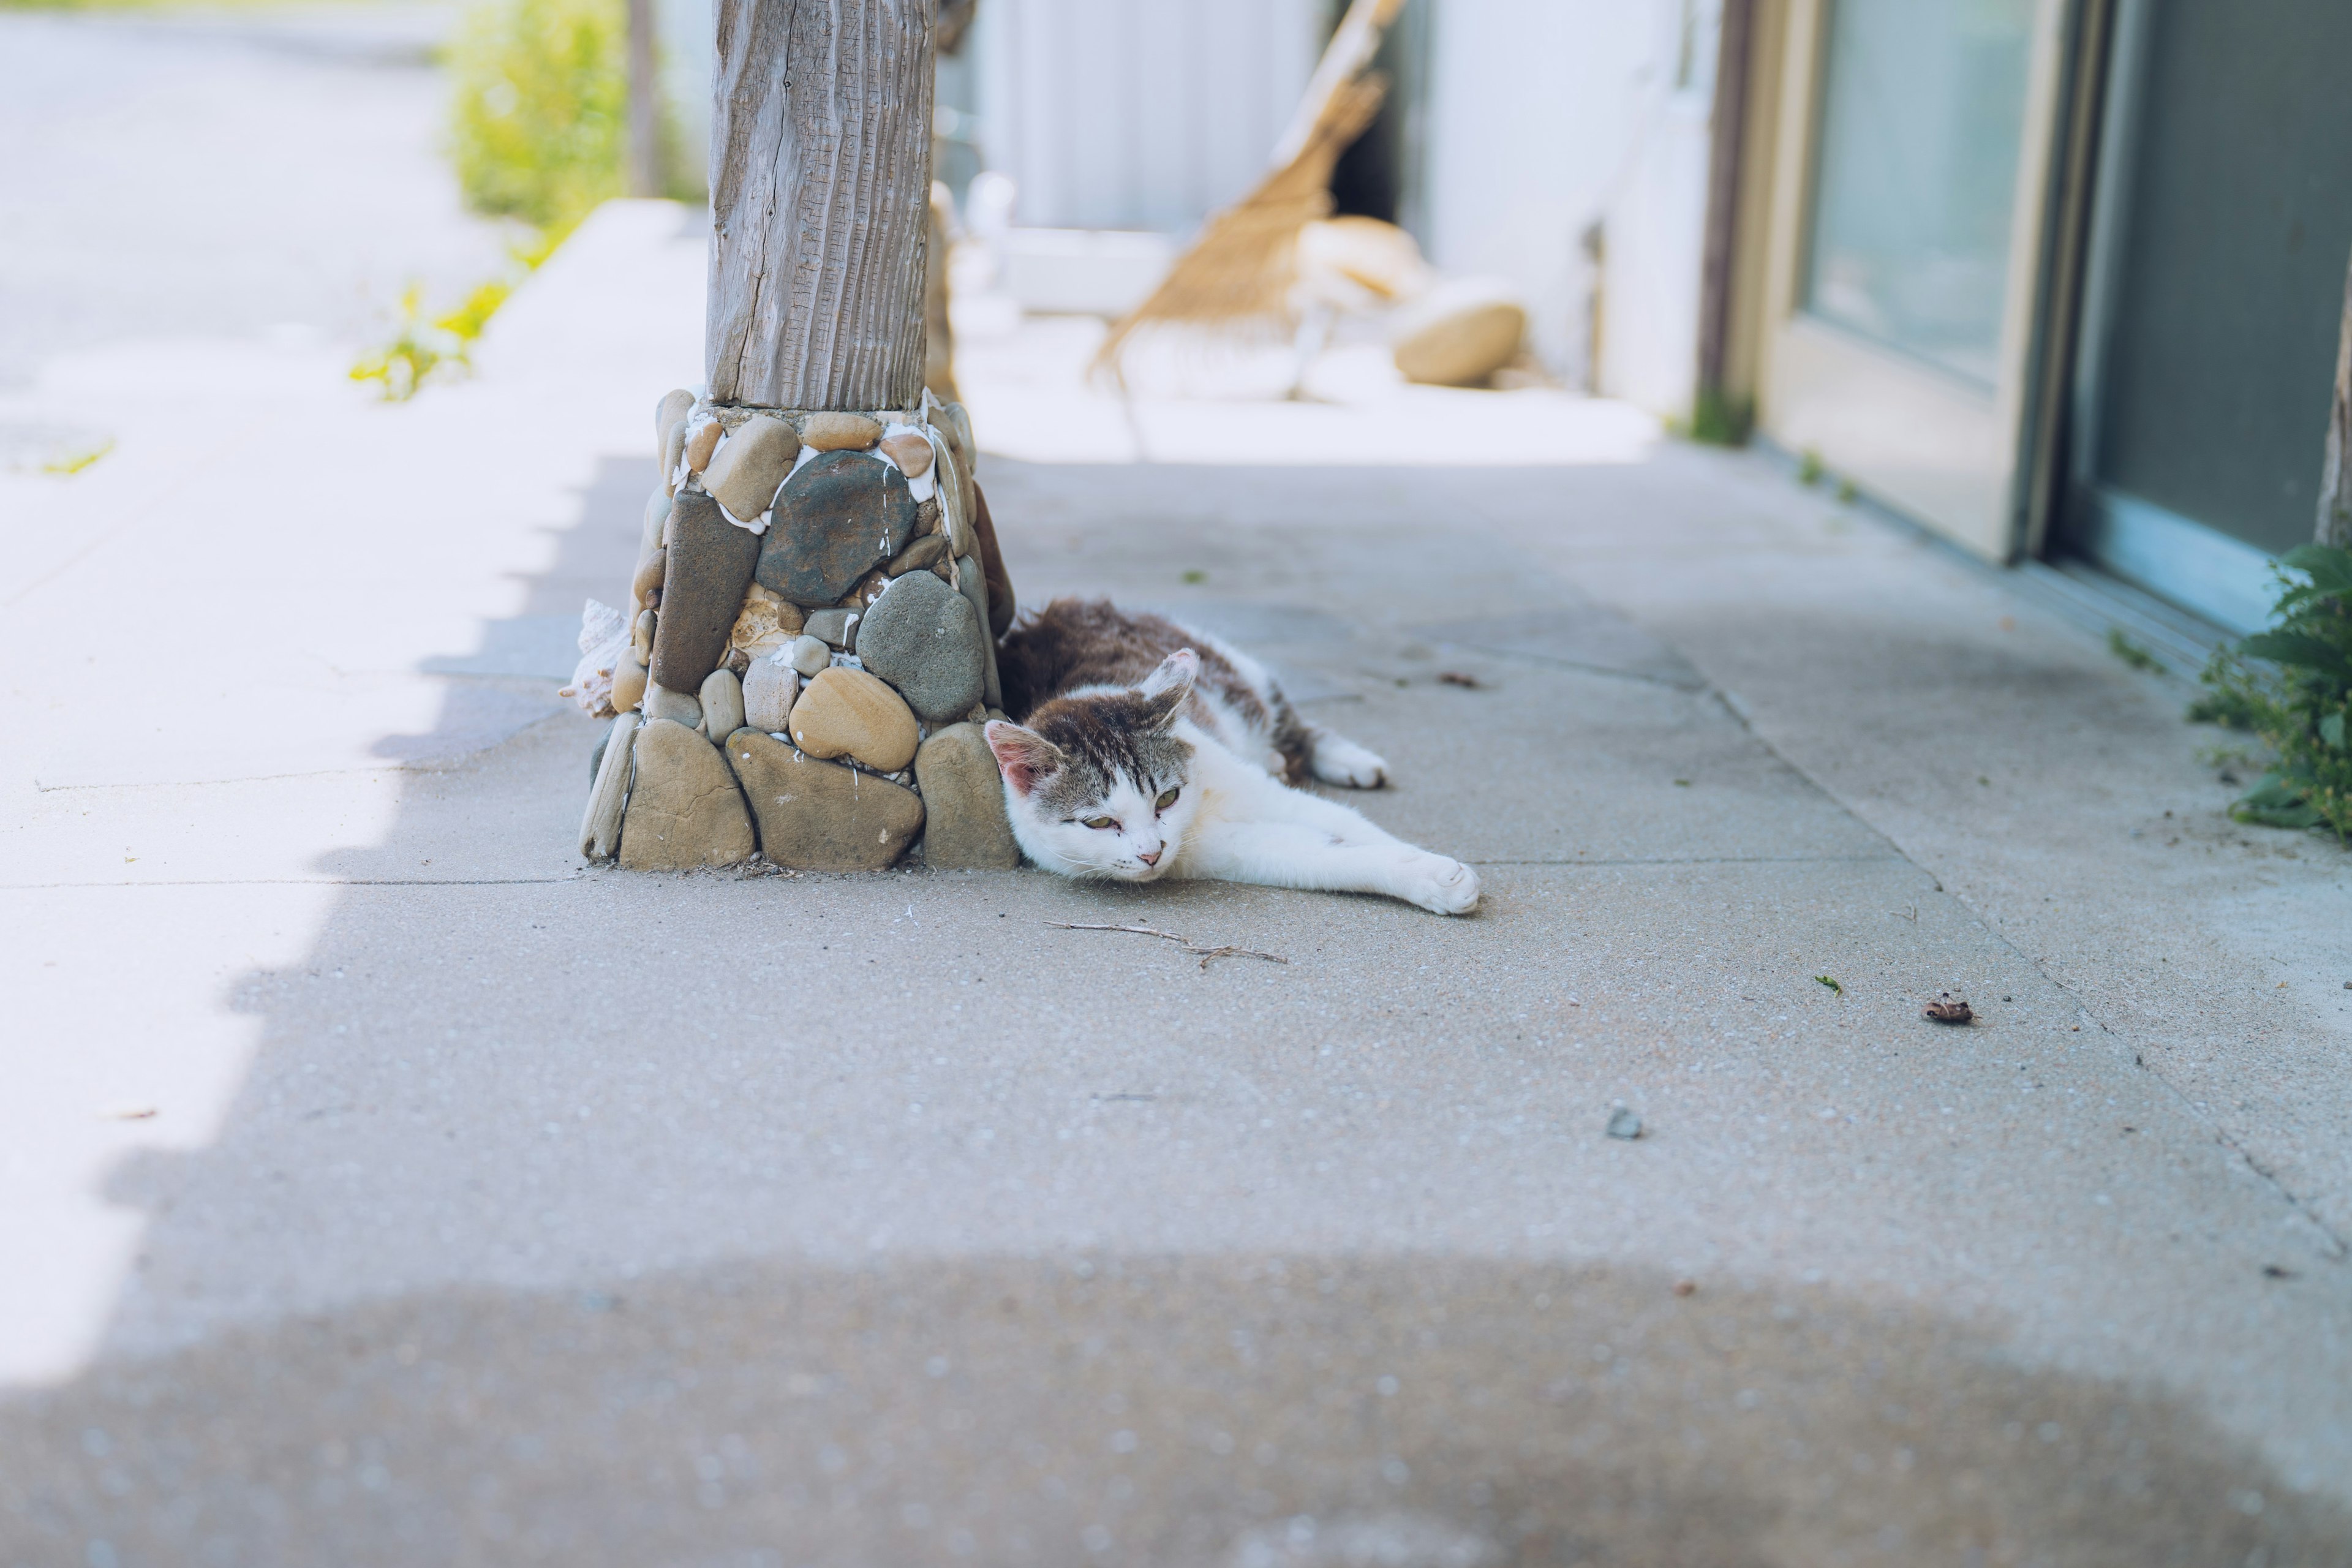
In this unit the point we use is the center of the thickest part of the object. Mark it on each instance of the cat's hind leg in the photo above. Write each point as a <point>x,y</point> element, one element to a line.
<point>1336,760</point>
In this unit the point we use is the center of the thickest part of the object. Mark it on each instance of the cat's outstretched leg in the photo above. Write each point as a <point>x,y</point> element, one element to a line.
<point>1295,855</point>
<point>1336,760</point>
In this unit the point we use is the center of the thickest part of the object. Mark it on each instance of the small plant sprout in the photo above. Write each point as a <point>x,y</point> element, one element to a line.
<point>2131,653</point>
<point>1835,989</point>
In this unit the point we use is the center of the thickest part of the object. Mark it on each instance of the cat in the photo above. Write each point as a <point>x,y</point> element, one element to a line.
<point>1149,751</point>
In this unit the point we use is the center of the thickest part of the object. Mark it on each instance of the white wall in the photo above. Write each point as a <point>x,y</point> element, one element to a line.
<point>1546,116</point>
<point>1138,113</point>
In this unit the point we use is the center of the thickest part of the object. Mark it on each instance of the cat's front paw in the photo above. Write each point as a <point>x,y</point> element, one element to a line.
<point>1441,886</point>
<point>1339,761</point>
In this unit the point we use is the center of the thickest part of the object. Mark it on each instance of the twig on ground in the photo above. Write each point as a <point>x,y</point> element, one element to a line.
<point>1202,953</point>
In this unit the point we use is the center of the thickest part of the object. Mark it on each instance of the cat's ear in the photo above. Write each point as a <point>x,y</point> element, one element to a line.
<point>1024,756</point>
<point>1165,689</point>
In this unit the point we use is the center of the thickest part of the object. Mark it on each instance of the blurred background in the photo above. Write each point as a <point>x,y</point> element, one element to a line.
<point>2058,280</point>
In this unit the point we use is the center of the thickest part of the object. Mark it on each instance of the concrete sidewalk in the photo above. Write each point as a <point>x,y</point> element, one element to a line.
<point>494,1209</point>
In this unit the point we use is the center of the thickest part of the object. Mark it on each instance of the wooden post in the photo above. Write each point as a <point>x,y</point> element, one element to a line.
<point>821,184</point>
<point>2336,474</point>
<point>645,104</point>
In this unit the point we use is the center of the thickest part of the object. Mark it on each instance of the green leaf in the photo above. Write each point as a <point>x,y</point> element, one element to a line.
<point>2299,650</point>
<point>2331,729</point>
<point>2275,803</point>
<point>2328,566</point>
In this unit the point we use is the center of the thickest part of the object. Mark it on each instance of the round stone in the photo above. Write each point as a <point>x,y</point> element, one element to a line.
<point>846,713</point>
<point>922,637</point>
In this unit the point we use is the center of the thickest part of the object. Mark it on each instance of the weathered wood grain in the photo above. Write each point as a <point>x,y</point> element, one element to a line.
<point>821,171</point>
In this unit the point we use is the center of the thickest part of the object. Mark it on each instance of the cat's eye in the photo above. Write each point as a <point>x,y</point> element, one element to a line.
<point>1167,798</point>
<point>1100,822</point>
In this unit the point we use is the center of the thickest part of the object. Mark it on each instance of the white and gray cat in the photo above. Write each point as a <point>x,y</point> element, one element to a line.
<point>1149,750</point>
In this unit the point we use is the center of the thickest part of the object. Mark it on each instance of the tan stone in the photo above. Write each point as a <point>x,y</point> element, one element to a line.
<point>1460,334</point>
<point>832,432</point>
<point>820,817</point>
<point>683,808</point>
<point>965,825</point>
<point>701,440</point>
<point>650,572</point>
<point>628,683</point>
<point>848,714</point>
<point>673,447</point>
<point>722,705</point>
<point>750,464</point>
<point>912,453</point>
<point>675,405</point>
<point>641,640</point>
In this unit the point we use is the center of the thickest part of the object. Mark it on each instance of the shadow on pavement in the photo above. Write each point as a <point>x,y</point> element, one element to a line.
<point>1205,1410</point>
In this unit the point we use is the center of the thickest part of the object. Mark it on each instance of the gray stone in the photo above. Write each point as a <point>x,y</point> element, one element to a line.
<point>684,809</point>
<point>920,556</point>
<point>820,817</point>
<point>676,707</point>
<point>808,655</point>
<point>672,448</point>
<point>974,588</point>
<point>722,706</point>
<point>1623,1123</point>
<point>838,517</point>
<point>830,627</point>
<point>923,638</point>
<point>965,825</point>
<point>768,690</point>
<point>707,569</point>
<point>751,463</point>
<point>608,790</point>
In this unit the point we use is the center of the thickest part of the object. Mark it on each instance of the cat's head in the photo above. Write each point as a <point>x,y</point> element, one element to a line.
<point>1097,784</point>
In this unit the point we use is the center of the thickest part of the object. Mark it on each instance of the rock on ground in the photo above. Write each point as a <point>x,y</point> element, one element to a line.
<point>684,809</point>
<point>818,815</point>
<point>965,826</point>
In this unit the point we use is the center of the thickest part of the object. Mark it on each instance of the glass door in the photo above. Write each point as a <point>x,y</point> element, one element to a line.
<point>1912,161</point>
<point>2221,220</point>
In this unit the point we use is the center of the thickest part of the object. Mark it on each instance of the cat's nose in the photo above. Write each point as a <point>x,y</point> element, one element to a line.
<point>1150,857</point>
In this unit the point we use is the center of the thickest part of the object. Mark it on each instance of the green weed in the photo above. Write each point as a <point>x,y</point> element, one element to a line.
<point>1809,469</point>
<point>2292,687</point>
<point>2131,653</point>
<point>1834,987</point>
<point>539,112</point>
<point>1719,420</point>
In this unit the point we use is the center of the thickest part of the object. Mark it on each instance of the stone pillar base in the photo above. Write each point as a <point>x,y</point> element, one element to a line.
<point>808,650</point>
